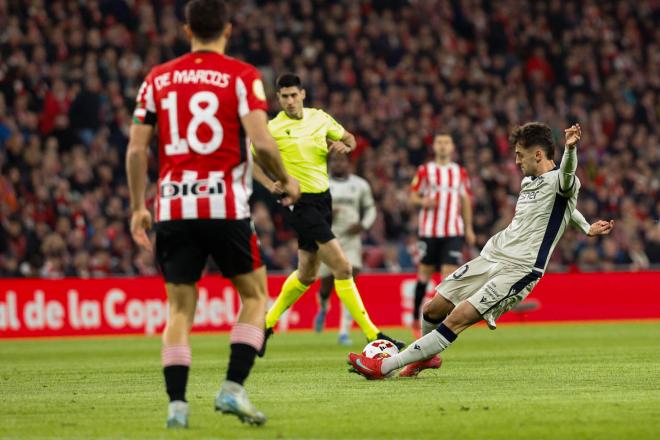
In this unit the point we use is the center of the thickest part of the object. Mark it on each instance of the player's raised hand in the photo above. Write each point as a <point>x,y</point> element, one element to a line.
<point>601,227</point>
<point>339,147</point>
<point>291,192</point>
<point>141,222</point>
<point>572,135</point>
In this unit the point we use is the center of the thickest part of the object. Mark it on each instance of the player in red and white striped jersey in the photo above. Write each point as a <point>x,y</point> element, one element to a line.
<point>198,100</point>
<point>204,104</point>
<point>441,189</point>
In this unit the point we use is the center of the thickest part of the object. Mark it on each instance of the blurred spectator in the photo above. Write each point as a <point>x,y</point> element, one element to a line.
<point>393,73</point>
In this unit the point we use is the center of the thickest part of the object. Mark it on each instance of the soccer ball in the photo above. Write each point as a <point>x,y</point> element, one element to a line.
<point>380,348</point>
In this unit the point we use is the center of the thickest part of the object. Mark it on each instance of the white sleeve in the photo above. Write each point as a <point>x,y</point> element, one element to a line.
<point>578,220</point>
<point>567,171</point>
<point>367,207</point>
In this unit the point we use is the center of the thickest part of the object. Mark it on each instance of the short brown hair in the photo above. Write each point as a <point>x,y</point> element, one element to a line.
<point>206,18</point>
<point>534,134</point>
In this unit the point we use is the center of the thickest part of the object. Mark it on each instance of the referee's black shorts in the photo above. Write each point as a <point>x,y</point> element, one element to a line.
<point>312,220</point>
<point>183,246</point>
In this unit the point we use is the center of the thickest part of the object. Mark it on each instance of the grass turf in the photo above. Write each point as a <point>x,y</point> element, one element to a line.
<point>588,381</point>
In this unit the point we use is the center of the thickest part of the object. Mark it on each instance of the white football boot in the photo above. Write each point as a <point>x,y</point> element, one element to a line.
<point>233,399</point>
<point>177,414</point>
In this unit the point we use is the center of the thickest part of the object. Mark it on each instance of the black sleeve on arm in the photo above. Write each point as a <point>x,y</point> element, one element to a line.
<point>150,118</point>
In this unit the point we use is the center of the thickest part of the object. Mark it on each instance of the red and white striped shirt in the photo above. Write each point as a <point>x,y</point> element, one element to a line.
<point>446,185</point>
<point>197,101</point>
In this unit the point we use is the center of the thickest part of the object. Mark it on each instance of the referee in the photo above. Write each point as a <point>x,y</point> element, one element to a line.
<point>305,137</point>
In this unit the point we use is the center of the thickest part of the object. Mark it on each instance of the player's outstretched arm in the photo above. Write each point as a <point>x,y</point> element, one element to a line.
<point>601,227</point>
<point>268,156</point>
<point>136,170</point>
<point>569,160</point>
<point>578,221</point>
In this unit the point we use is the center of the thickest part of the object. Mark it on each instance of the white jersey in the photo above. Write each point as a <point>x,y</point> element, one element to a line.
<point>543,211</point>
<point>352,202</point>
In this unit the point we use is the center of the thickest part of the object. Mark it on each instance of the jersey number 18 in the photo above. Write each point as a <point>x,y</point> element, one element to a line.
<point>200,115</point>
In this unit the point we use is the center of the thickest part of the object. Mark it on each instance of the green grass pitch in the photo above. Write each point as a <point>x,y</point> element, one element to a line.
<point>588,381</point>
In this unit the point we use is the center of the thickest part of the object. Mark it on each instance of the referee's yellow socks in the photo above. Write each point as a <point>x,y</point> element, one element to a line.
<point>292,289</point>
<point>349,295</point>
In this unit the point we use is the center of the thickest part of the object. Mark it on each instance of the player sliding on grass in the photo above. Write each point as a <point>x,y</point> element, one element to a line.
<point>511,263</point>
<point>305,136</point>
<point>201,103</point>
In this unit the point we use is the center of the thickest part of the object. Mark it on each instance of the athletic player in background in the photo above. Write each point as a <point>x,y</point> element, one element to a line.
<point>305,137</point>
<point>353,211</point>
<point>441,189</point>
<point>204,103</point>
<point>511,263</point>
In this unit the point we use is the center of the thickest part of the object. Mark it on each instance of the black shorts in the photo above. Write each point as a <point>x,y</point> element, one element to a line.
<point>439,251</point>
<point>183,246</point>
<point>312,220</point>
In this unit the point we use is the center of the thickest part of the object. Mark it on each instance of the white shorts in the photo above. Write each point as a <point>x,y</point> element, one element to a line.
<point>354,256</point>
<point>492,288</point>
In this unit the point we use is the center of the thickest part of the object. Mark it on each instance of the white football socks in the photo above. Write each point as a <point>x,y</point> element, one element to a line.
<point>424,348</point>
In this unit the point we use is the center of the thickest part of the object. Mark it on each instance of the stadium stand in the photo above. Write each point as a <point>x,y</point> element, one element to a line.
<point>393,72</point>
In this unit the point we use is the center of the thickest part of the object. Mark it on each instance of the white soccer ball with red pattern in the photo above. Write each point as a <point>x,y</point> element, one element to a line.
<point>380,348</point>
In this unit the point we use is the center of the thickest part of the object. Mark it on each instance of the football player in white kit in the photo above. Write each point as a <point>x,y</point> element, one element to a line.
<point>353,211</point>
<point>511,263</point>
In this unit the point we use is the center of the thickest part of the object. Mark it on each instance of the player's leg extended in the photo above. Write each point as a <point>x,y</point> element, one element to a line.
<point>424,274</point>
<point>295,285</point>
<point>503,288</point>
<point>246,339</point>
<point>456,285</point>
<point>324,295</point>
<point>332,255</point>
<point>433,343</point>
<point>434,312</point>
<point>454,290</point>
<point>176,353</point>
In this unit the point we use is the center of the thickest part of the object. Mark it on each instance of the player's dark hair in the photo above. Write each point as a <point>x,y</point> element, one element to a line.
<point>288,80</point>
<point>206,18</point>
<point>532,134</point>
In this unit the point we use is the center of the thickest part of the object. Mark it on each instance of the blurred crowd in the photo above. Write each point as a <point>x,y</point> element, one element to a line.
<point>392,72</point>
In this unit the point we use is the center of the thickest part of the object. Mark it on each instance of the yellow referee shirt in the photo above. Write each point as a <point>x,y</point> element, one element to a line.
<point>303,146</point>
